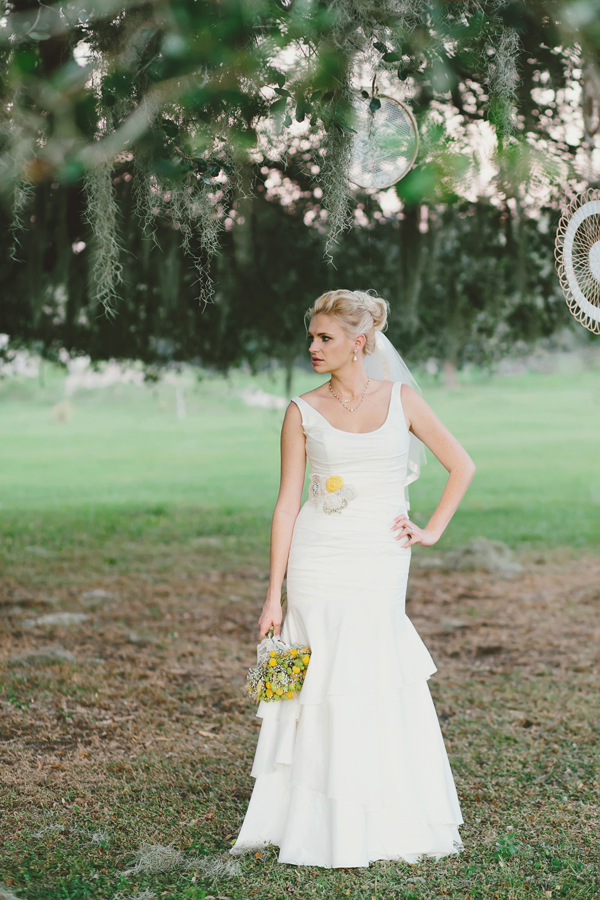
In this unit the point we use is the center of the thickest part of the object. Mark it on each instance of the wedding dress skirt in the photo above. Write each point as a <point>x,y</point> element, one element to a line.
<point>354,768</point>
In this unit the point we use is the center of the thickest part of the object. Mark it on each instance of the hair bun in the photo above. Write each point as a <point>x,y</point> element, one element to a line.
<point>377,306</point>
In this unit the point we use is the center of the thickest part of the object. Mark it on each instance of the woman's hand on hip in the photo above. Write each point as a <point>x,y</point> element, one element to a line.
<point>404,528</point>
<point>271,616</point>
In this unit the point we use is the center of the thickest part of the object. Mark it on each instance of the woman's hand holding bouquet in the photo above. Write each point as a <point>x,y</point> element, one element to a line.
<point>271,615</point>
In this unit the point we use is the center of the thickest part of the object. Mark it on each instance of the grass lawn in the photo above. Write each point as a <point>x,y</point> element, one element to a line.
<point>140,738</point>
<point>126,465</point>
<point>124,728</point>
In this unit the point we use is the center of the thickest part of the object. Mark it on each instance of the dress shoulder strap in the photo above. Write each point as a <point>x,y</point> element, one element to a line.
<point>306,411</point>
<point>396,399</point>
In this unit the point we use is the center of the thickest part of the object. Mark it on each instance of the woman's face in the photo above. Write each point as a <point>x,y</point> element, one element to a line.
<point>330,346</point>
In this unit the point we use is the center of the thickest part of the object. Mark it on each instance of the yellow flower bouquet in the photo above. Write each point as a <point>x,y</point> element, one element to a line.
<point>280,670</point>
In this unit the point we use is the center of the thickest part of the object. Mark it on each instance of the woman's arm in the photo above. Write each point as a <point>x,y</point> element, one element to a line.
<point>293,471</point>
<point>424,423</point>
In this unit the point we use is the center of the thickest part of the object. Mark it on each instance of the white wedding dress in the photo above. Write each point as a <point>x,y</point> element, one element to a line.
<point>354,768</point>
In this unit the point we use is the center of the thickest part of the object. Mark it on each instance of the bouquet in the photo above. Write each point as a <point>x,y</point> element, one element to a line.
<point>280,670</point>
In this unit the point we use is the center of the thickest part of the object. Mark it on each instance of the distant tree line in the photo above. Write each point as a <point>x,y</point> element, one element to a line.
<point>466,280</point>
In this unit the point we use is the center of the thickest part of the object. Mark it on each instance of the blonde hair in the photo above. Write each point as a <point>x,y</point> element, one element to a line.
<point>359,312</point>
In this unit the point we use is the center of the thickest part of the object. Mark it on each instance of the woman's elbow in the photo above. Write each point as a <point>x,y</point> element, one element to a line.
<point>287,508</point>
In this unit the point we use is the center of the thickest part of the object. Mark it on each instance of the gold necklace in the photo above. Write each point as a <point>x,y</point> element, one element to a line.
<point>343,402</point>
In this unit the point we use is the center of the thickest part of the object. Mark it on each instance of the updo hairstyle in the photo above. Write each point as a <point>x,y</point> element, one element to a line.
<point>358,312</point>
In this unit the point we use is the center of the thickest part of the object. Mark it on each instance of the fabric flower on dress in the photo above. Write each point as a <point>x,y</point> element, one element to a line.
<point>330,492</point>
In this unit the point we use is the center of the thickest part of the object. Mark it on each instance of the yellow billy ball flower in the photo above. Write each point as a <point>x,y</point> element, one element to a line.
<point>295,669</point>
<point>289,695</point>
<point>279,691</point>
<point>306,660</point>
<point>273,653</point>
<point>294,653</point>
<point>269,693</point>
<point>272,662</point>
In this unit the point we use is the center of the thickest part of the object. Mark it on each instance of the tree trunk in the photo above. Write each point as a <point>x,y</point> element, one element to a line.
<point>242,231</point>
<point>412,256</point>
<point>450,373</point>
<point>289,376</point>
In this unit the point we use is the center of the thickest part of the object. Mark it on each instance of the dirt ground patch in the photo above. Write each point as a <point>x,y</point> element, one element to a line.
<point>126,723</point>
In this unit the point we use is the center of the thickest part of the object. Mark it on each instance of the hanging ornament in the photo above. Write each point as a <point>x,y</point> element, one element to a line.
<point>385,142</point>
<point>577,254</point>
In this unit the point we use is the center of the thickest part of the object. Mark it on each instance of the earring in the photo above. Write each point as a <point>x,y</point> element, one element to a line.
<point>354,359</point>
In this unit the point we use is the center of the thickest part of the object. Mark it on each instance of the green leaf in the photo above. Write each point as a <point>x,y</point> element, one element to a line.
<point>171,129</point>
<point>407,68</point>
<point>381,47</point>
<point>392,57</point>
<point>375,104</point>
<point>278,106</point>
<point>282,92</point>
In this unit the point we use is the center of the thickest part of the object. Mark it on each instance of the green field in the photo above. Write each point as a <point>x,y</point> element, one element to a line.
<point>125,464</point>
<point>153,530</point>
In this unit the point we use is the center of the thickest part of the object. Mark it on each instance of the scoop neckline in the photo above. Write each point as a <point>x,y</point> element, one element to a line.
<point>341,430</point>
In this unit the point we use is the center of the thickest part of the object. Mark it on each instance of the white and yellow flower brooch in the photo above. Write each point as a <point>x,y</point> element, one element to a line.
<point>330,492</point>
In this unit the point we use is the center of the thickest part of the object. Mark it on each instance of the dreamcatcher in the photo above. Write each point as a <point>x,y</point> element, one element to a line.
<point>385,143</point>
<point>577,255</point>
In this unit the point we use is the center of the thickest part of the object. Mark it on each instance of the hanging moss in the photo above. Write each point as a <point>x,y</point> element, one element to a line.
<point>146,197</point>
<point>337,149</point>
<point>23,195</point>
<point>503,80</point>
<point>101,215</point>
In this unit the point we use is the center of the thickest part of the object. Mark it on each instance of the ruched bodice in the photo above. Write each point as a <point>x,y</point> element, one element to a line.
<point>359,751</point>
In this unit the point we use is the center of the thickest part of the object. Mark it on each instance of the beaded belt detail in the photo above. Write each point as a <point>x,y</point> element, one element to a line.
<point>330,492</point>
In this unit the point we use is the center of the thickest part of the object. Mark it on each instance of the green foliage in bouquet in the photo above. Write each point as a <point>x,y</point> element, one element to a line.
<point>280,675</point>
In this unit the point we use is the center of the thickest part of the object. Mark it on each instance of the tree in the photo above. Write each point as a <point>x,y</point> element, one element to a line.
<point>192,95</point>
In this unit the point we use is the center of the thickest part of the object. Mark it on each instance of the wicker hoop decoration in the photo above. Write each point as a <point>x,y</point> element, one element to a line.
<point>385,142</point>
<point>577,253</point>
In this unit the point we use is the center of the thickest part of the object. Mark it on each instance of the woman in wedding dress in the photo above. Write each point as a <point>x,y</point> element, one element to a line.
<point>354,769</point>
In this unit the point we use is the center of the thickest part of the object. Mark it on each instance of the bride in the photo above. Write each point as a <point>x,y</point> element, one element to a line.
<point>354,768</point>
